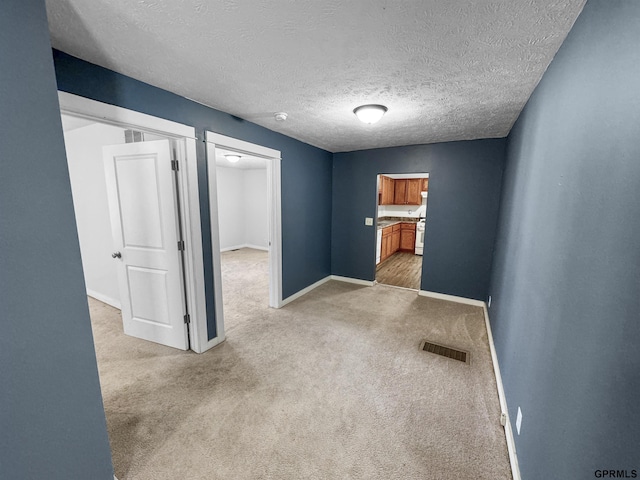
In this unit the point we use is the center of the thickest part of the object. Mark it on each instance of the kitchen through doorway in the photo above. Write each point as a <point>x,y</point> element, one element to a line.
<point>400,226</point>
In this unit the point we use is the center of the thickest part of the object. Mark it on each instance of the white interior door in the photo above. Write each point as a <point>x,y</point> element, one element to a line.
<point>142,206</point>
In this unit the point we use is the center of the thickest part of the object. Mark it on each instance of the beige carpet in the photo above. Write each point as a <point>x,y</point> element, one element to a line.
<point>332,386</point>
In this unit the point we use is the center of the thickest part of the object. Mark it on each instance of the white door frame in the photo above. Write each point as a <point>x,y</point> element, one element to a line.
<point>185,137</point>
<point>273,157</point>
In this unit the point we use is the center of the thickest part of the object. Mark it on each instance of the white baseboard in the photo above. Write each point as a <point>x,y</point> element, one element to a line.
<point>244,245</point>
<point>104,299</point>
<point>357,281</point>
<point>234,247</point>
<point>508,431</point>
<point>451,298</point>
<point>304,291</point>
<point>256,247</point>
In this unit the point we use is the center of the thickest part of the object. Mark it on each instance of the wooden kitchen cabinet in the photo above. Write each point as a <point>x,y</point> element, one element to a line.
<point>385,248</point>
<point>407,237</point>
<point>425,185</point>
<point>386,190</point>
<point>414,186</point>
<point>395,239</point>
<point>400,194</point>
<point>400,237</point>
<point>407,191</point>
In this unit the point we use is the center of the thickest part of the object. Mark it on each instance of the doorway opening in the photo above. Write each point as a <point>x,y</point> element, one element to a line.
<point>243,228</point>
<point>98,124</point>
<point>400,226</point>
<point>126,203</point>
<point>244,199</point>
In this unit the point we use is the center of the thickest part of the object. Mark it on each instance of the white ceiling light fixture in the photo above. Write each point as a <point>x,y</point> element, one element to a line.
<point>370,113</point>
<point>233,158</point>
<point>280,116</point>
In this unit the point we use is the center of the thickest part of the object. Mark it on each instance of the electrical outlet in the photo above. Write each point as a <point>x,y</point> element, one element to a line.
<point>368,221</point>
<point>519,420</point>
<point>489,302</point>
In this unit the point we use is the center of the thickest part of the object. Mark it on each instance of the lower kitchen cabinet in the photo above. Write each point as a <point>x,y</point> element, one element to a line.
<point>408,237</point>
<point>400,237</point>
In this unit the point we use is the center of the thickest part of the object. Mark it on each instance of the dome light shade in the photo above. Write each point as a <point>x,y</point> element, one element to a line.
<point>370,113</point>
<point>232,158</point>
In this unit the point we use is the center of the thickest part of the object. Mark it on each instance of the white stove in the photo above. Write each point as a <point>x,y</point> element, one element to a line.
<point>420,237</point>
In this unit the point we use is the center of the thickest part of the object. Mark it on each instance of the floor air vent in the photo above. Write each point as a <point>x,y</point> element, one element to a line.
<point>445,351</point>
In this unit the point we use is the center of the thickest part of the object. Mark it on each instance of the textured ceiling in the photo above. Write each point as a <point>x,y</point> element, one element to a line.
<point>446,69</point>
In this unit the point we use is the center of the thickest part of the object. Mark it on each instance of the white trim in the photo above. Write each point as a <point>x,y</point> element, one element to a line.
<point>103,112</point>
<point>274,212</point>
<point>192,232</point>
<point>215,247</point>
<point>338,278</point>
<point>233,247</point>
<point>508,431</point>
<point>304,291</point>
<point>451,298</point>
<point>185,140</point>
<point>241,146</point>
<point>104,299</point>
<point>256,247</point>
<point>244,245</point>
<point>357,281</point>
<point>415,290</point>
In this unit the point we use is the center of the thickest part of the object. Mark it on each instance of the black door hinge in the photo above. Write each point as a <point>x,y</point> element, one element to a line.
<point>181,245</point>
<point>174,165</point>
<point>187,318</point>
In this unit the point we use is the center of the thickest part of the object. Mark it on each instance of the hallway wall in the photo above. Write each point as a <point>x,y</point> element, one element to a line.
<point>52,422</point>
<point>464,192</point>
<point>566,283</point>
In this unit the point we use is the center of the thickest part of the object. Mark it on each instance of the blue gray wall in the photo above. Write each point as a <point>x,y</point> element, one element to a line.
<point>462,212</point>
<point>52,422</point>
<point>566,281</point>
<point>306,170</point>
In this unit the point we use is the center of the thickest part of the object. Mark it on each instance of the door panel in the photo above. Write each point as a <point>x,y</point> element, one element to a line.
<point>413,191</point>
<point>141,224</point>
<point>142,207</point>
<point>400,194</point>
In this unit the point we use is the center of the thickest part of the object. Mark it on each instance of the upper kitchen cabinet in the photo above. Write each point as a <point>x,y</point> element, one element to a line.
<point>407,191</point>
<point>386,190</point>
<point>414,187</point>
<point>400,195</point>
<point>425,185</point>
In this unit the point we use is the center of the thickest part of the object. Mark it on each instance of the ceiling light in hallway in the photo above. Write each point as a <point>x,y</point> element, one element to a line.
<point>370,113</point>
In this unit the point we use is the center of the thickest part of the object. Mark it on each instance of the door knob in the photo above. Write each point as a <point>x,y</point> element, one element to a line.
<point>116,255</point>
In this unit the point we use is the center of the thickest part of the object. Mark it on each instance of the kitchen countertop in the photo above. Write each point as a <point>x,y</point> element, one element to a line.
<point>385,222</point>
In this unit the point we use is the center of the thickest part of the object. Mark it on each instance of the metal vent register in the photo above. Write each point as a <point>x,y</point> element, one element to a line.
<point>445,351</point>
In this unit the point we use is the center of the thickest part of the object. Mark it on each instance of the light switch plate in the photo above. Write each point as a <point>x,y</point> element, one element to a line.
<point>368,221</point>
